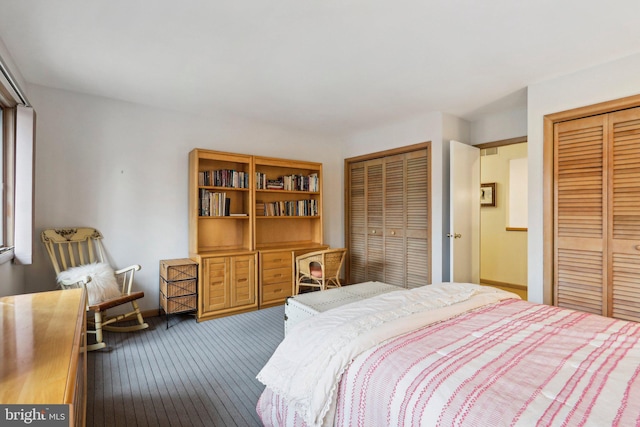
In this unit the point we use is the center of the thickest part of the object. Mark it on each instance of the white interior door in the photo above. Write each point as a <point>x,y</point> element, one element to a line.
<point>464,234</point>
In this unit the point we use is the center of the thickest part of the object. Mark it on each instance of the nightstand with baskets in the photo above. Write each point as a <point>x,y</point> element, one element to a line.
<point>178,286</point>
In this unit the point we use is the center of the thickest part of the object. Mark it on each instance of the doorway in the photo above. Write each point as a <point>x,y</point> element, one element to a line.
<point>503,221</point>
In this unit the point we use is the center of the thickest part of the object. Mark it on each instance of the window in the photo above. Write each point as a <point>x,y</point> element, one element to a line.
<point>3,201</point>
<point>16,170</point>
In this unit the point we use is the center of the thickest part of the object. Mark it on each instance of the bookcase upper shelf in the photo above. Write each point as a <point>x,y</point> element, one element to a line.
<point>248,230</point>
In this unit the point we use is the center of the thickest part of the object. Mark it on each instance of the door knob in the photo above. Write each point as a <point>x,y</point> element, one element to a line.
<point>455,235</point>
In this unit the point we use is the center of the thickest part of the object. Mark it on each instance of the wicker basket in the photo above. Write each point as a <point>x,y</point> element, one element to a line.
<point>178,304</point>
<point>178,269</point>
<point>178,288</point>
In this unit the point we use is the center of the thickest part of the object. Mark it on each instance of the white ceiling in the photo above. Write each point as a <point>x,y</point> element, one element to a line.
<point>320,65</point>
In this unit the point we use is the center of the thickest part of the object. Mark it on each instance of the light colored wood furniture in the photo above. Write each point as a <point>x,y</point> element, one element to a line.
<point>246,258</point>
<point>320,269</point>
<point>280,238</point>
<point>596,227</point>
<point>222,245</point>
<point>73,246</point>
<point>276,276</point>
<point>278,273</point>
<point>44,358</point>
<point>227,284</point>
<point>388,216</point>
<point>288,230</point>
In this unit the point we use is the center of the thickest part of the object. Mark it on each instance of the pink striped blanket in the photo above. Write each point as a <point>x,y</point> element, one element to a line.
<point>506,363</point>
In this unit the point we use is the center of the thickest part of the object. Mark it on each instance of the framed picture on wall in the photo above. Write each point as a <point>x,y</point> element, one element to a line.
<point>488,194</point>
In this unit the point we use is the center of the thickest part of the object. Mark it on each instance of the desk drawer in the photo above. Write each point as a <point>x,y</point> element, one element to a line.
<point>276,275</point>
<point>276,291</point>
<point>277,260</point>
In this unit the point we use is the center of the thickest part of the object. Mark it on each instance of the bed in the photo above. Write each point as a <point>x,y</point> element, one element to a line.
<point>453,354</point>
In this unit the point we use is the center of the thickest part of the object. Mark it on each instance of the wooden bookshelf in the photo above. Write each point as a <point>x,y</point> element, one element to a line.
<point>209,233</point>
<point>246,257</point>
<point>294,228</point>
<point>221,241</point>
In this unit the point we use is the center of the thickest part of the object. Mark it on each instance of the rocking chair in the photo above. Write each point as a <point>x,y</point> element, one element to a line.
<point>71,249</point>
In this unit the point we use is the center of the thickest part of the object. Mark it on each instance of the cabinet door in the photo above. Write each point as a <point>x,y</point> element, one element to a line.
<point>580,276</point>
<point>216,287</point>
<point>624,214</point>
<point>243,283</point>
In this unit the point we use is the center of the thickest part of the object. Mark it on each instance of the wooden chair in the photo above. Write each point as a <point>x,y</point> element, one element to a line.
<point>72,247</point>
<point>319,269</point>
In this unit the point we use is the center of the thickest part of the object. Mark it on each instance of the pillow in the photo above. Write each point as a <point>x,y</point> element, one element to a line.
<point>315,268</point>
<point>103,284</point>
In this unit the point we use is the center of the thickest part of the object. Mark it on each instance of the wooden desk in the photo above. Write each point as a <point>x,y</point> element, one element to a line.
<point>44,359</point>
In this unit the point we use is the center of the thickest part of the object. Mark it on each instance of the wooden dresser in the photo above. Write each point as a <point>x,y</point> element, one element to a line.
<point>44,360</point>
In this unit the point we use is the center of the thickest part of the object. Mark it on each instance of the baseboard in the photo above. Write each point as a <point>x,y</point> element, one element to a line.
<point>151,313</point>
<point>504,284</point>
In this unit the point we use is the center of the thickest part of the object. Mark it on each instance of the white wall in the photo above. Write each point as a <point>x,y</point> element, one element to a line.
<point>605,82</point>
<point>511,123</point>
<point>123,168</point>
<point>439,129</point>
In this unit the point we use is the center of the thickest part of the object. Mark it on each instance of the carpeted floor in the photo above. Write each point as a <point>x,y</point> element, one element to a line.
<point>193,374</point>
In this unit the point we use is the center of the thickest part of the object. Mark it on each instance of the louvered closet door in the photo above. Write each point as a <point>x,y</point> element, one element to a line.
<point>389,220</point>
<point>395,220</point>
<point>624,211</point>
<point>417,226</point>
<point>375,220</point>
<point>580,227</point>
<point>357,224</point>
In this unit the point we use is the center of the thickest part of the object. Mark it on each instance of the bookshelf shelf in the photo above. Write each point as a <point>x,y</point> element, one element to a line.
<point>223,189</point>
<point>288,192</point>
<point>260,217</point>
<point>206,218</point>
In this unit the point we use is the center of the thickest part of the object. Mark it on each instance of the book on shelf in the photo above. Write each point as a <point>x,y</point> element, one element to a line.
<point>260,208</point>
<point>261,180</point>
<point>301,182</point>
<point>275,184</point>
<point>212,203</point>
<point>223,178</point>
<point>290,208</point>
<point>288,182</point>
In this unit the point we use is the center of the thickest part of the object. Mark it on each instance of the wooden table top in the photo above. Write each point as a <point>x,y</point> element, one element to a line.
<point>37,336</point>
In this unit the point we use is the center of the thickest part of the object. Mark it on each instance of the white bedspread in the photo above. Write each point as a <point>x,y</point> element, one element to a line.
<point>306,368</point>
